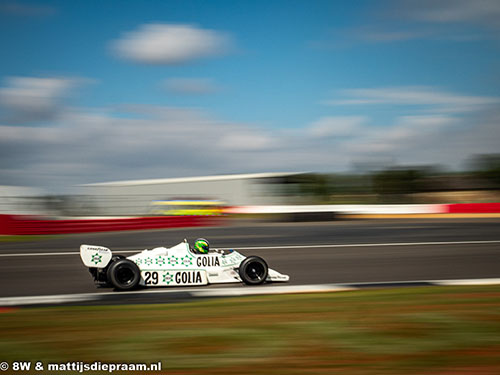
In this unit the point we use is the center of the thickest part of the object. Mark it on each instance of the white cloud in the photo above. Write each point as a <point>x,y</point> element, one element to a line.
<point>442,20</point>
<point>157,142</point>
<point>407,133</point>
<point>26,99</point>
<point>439,100</point>
<point>170,44</point>
<point>486,12</point>
<point>445,127</point>
<point>85,147</point>
<point>449,141</point>
<point>245,140</point>
<point>92,145</point>
<point>336,126</point>
<point>191,86</point>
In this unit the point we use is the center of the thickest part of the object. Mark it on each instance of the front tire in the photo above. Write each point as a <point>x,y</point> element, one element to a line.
<point>253,270</point>
<point>124,274</point>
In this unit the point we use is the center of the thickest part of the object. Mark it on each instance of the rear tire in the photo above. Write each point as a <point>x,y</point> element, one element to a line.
<point>253,270</point>
<point>124,274</point>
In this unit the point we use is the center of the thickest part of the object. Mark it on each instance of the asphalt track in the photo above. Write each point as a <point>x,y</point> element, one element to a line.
<point>311,253</point>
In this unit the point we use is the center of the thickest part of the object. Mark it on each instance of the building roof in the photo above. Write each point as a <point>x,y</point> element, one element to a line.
<point>193,179</point>
<point>20,191</point>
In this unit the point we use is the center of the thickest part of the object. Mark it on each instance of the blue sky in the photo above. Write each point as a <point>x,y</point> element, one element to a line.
<point>103,90</point>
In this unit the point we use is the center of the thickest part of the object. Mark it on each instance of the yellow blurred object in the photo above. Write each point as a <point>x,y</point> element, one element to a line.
<point>188,207</point>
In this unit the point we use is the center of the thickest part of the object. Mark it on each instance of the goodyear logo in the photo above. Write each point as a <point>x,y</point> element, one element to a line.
<point>99,249</point>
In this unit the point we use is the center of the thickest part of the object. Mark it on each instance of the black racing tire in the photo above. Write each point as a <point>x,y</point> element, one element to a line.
<point>124,274</point>
<point>101,276</point>
<point>253,270</point>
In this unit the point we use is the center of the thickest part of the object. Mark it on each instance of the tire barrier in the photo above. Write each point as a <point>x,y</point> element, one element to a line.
<point>474,208</point>
<point>26,225</point>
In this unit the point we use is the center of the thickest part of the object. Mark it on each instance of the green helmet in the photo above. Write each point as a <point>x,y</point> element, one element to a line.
<point>201,246</point>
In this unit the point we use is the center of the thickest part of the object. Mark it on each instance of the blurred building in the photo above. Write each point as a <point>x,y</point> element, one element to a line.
<point>142,197</point>
<point>21,200</point>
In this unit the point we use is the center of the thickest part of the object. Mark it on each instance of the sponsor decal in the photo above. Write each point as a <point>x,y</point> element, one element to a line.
<point>188,277</point>
<point>96,258</point>
<point>168,278</point>
<point>187,261</point>
<point>98,249</point>
<point>160,261</point>
<point>173,260</point>
<point>173,277</point>
<point>231,259</point>
<point>207,261</point>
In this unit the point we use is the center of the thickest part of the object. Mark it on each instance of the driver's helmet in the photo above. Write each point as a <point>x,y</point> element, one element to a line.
<point>201,246</point>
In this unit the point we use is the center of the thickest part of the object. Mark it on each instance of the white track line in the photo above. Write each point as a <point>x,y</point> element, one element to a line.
<point>278,289</point>
<point>230,292</point>
<point>467,282</point>
<point>287,247</point>
<point>369,245</point>
<point>41,300</point>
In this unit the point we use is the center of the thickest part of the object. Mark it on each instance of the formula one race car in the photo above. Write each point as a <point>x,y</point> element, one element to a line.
<point>176,266</point>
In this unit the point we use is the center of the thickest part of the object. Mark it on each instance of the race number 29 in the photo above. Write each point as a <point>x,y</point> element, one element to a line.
<point>151,278</point>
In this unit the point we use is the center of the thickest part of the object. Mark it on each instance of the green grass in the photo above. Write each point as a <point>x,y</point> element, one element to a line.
<point>438,330</point>
<point>26,238</point>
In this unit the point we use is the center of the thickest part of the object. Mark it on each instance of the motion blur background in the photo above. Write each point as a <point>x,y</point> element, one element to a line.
<point>233,117</point>
<point>380,102</point>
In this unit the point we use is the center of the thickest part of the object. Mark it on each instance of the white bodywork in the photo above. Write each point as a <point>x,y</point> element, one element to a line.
<point>178,265</point>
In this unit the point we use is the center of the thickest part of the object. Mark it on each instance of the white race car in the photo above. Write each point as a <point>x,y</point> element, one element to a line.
<point>176,266</point>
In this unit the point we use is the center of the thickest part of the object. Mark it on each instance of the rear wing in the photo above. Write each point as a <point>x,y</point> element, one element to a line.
<point>95,256</point>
